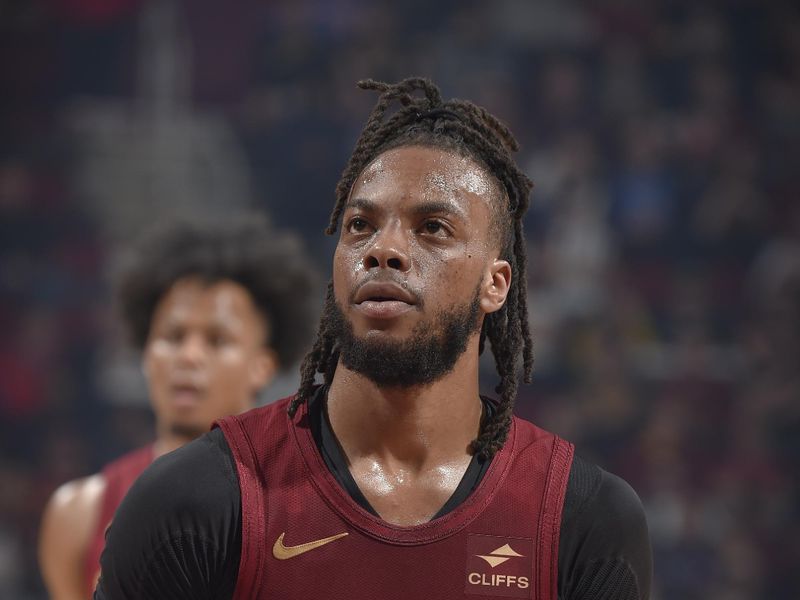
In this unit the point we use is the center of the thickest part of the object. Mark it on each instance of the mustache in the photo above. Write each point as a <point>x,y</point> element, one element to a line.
<point>385,278</point>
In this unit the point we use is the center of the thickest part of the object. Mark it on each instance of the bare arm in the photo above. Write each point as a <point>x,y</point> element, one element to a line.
<point>68,523</point>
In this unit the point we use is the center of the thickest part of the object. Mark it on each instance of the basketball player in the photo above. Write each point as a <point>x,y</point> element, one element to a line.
<point>216,310</point>
<point>395,479</point>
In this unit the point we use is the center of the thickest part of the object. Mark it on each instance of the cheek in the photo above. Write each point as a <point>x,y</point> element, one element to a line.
<point>448,275</point>
<point>346,267</point>
<point>230,368</point>
<point>158,362</point>
<point>230,359</point>
<point>455,282</point>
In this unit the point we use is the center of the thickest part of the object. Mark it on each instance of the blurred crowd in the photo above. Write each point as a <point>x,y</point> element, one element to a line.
<point>664,232</point>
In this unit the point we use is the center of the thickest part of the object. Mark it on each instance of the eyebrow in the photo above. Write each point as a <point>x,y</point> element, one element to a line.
<point>439,206</point>
<point>361,203</point>
<point>423,208</point>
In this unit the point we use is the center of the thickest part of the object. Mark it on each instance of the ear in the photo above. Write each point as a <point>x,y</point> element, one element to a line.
<point>496,285</point>
<point>262,369</point>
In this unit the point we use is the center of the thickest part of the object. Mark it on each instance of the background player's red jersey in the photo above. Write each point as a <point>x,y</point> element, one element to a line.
<point>119,476</point>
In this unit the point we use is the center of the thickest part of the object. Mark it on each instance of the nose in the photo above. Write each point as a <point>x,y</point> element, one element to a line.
<point>192,349</point>
<point>389,250</point>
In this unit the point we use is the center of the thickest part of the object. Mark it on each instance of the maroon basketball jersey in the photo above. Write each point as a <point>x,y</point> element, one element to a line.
<point>303,536</point>
<point>119,477</point>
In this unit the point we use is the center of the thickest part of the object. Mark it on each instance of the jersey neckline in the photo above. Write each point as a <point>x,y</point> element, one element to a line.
<point>341,502</point>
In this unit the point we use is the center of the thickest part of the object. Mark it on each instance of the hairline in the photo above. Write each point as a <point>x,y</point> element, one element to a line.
<point>207,281</point>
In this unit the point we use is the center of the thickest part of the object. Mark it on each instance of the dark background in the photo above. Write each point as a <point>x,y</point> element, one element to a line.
<point>664,234</point>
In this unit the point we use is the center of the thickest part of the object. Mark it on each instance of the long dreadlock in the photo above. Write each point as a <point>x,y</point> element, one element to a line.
<point>463,127</point>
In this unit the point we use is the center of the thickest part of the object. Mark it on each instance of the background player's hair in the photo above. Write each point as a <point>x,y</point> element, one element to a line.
<point>462,127</point>
<point>269,264</point>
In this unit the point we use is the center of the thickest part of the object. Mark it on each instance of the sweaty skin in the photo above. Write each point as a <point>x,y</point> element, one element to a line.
<point>418,217</point>
<point>205,358</point>
<point>68,524</point>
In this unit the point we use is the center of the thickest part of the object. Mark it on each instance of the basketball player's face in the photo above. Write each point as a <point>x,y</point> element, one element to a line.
<point>415,246</point>
<point>205,357</point>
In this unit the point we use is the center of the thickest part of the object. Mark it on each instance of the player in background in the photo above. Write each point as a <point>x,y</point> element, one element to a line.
<point>216,309</point>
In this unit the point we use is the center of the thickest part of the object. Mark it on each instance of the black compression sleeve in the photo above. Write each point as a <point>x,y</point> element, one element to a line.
<point>604,548</point>
<point>177,533</point>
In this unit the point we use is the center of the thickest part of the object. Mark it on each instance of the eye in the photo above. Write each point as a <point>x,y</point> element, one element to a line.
<point>435,227</point>
<point>216,339</point>
<point>357,225</point>
<point>173,335</point>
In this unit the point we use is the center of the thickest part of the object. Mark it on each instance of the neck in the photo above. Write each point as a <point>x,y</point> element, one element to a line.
<point>167,442</point>
<point>415,427</point>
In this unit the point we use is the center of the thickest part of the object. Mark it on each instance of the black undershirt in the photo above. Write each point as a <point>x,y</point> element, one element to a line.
<point>336,462</point>
<point>177,534</point>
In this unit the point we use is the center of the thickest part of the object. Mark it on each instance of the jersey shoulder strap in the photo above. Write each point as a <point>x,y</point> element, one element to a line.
<point>253,437</point>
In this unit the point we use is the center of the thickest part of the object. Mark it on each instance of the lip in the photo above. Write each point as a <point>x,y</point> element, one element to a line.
<point>384,309</point>
<point>184,394</point>
<point>379,292</point>
<point>383,300</point>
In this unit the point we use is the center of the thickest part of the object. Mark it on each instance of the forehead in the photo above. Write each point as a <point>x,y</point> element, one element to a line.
<point>426,173</point>
<point>221,302</point>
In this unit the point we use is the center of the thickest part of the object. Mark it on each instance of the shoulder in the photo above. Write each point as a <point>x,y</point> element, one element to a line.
<point>73,510</point>
<point>68,524</point>
<point>528,433</point>
<point>603,533</point>
<point>185,505</point>
<point>589,487</point>
<point>261,415</point>
<point>603,494</point>
<point>198,473</point>
<point>78,498</point>
<point>248,428</point>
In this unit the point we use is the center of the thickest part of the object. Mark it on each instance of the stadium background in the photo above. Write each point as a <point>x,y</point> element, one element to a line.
<point>664,233</point>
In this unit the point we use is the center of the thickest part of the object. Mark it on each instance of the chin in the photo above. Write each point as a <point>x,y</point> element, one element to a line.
<point>397,334</point>
<point>189,429</point>
<point>401,326</point>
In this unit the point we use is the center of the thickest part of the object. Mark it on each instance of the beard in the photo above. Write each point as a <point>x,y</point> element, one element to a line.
<point>430,353</point>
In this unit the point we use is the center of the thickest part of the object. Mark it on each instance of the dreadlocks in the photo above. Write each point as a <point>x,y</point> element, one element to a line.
<point>469,130</point>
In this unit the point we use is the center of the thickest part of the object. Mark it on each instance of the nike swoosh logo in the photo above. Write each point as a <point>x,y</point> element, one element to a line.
<point>282,552</point>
